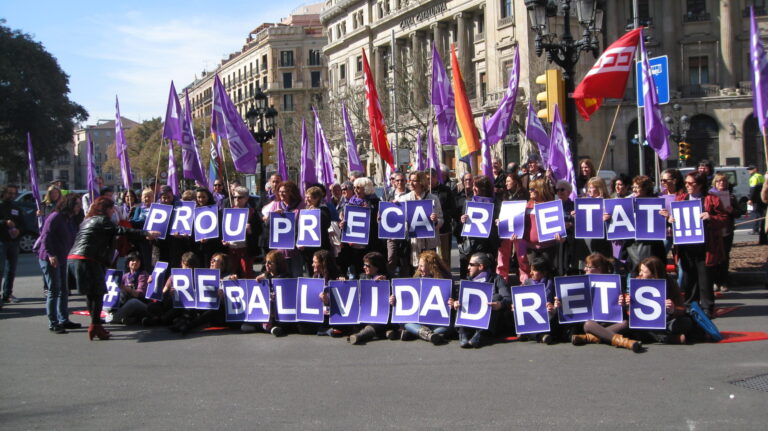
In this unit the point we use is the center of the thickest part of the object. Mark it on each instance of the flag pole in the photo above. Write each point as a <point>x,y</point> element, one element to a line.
<point>608,140</point>
<point>157,171</point>
<point>765,149</point>
<point>226,174</point>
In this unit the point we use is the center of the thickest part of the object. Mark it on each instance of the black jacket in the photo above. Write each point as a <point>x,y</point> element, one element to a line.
<point>96,239</point>
<point>9,210</point>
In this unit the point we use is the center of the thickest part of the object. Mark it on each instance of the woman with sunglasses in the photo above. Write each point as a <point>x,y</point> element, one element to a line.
<point>419,183</point>
<point>241,252</point>
<point>583,247</point>
<point>398,250</point>
<point>313,200</point>
<point>513,191</point>
<point>374,268</point>
<point>275,266</point>
<point>565,262</point>
<point>637,250</point>
<point>352,254</point>
<point>722,188</point>
<point>288,200</point>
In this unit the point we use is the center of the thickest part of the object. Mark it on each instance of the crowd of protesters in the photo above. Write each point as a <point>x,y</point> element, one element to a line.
<point>80,239</point>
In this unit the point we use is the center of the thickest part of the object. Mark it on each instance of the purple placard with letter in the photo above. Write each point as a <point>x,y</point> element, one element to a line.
<point>345,302</point>
<point>688,227</point>
<point>235,300</point>
<point>647,306</point>
<point>406,293</point>
<point>112,279</point>
<point>308,229</point>
<point>234,223</point>
<point>622,222</point>
<point>512,219</point>
<point>649,224</point>
<point>531,315</point>
<point>474,298</point>
<point>392,220</point>
<point>589,218</point>
<point>479,221</point>
<point>575,302</point>
<point>550,219</point>
<point>206,222</point>
<point>374,301</point>
<point>433,306</point>
<point>282,230</point>
<point>183,218</point>
<point>309,306</point>
<point>285,298</point>
<point>605,290</point>
<point>417,214</point>
<point>158,218</point>
<point>183,288</point>
<point>357,225</point>
<point>207,288</point>
<point>157,282</point>
<point>259,304</point>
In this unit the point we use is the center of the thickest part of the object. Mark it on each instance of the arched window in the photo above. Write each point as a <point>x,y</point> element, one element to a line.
<point>754,149</point>
<point>704,139</point>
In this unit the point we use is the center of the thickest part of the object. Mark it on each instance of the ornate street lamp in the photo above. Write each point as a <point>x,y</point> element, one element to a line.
<point>565,51</point>
<point>678,127</point>
<point>262,121</point>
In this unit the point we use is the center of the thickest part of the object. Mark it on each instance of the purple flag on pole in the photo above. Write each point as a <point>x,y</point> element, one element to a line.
<point>172,180</point>
<point>374,301</point>
<point>605,290</point>
<point>93,187</point>
<point>759,68</point>
<point>121,147</point>
<point>487,167</point>
<point>647,309</point>
<point>443,101</point>
<point>345,302</point>
<point>656,132</point>
<point>688,227</point>
<point>172,126</point>
<point>420,165</point>
<point>433,307</point>
<point>536,132</point>
<point>191,163</point>
<point>498,126</point>
<point>531,315</point>
<point>353,159</point>
<point>323,156</point>
<point>242,145</point>
<point>33,177</point>
<point>589,218</point>
<point>576,304</point>
<point>282,167</point>
<point>474,298</point>
<point>307,174</point>
<point>649,224</point>
<point>433,160</point>
<point>561,161</point>
<point>309,306</point>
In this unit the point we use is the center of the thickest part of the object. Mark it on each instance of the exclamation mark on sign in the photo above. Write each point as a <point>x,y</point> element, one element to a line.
<point>697,220</point>
<point>678,222</point>
<point>687,221</point>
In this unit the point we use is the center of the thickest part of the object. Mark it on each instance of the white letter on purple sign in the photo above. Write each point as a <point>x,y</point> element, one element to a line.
<point>235,296</point>
<point>547,216</point>
<point>307,225</point>
<point>206,288</point>
<point>212,217</point>
<point>385,219</point>
<point>568,298</point>
<point>655,307</point>
<point>240,223</point>
<point>589,209</point>
<point>435,301</point>
<point>280,226</point>
<point>304,309</point>
<point>650,210</point>
<point>257,300</point>
<point>344,306</point>
<point>420,218</point>
<point>478,217</point>
<point>156,216</point>
<point>183,217</point>
<point>603,287</point>
<point>182,284</point>
<point>279,301</point>
<point>466,294</point>
<point>356,220</point>
<point>400,290</point>
<point>619,218</point>
<point>520,310</point>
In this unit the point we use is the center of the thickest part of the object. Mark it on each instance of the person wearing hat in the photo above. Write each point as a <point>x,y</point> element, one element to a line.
<point>535,171</point>
<point>756,180</point>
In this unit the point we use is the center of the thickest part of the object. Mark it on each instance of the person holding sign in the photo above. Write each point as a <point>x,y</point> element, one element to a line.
<point>722,187</point>
<point>90,255</point>
<point>542,272</point>
<point>365,196</point>
<point>163,312</point>
<point>698,261</point>
<point>636,249</point>
<point>481,270</point>
<point>133,286</point>
<point>323,266</point>
<point>313,200</point>
<point>420,191</point>
<point>483,191</point>
<point>539,191</point>
<point>565,262</point>
<point>275,266</point>
<point>374,268</point>
<point>206,248</point>
<point>398,250</point>
<point>513,191</point>
<point>583,247</point>
<point>219,262</point>
<point>241,252</point>
<point>288,200</point>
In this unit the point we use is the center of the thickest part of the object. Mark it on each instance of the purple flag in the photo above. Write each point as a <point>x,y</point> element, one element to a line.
<point>480,220</point>
<point>309,306</point>
<point>374,301</point>
<point>536,132</point>
<point>549,219</point>
<point>357,226</point>
<point>307,174</point>
<point>433,307</point>
<point>622,222</point>
<point>242,145</point>
<point>406,293</point>
<point>285,298</point>
<point>191,163</point>
<point>688,227</point>
<point>323,156</point>
<point>93,187</point>
<point>474,298</point>
<point>121,146</point>
<point>235,299</point>
<point>656,132</point>
<point>282,231</point>
<point>589,218</point>
<point>487,165</point>
<point>531,315</point>
<point>759,68</point>
<point>345,302</point>
<point>353,159</point>
<point>392,220</point>
<point>604,291</point>
<point>172,181</point>
<point>207,288</point>
<point>561,160</point>
<point>649,224</point>
<point>512,219</point>
<point>234,224</point>
<point>417,215</point>
<point>33,177</point>
<point>282,167</point>
<point>172,126</point>
<point>206,222</point>
<point>576,304</point>
<point>157,281</point>
<point>112,280</point>
<point>647,308</point>
<point>443,101</point>
<point>433,160</point>
<point>184,288</point>
<point>420,165</point>
<point>498,126</point>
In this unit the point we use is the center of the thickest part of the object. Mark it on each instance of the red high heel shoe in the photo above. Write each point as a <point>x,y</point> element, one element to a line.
<point>98,331</point>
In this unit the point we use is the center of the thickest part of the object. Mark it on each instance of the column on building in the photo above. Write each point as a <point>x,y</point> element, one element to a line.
<point>727,60</point>
<point>417,62</point>
<point>438,37</point>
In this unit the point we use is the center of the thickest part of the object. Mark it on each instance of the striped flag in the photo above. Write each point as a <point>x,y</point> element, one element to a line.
<point>469,141</point>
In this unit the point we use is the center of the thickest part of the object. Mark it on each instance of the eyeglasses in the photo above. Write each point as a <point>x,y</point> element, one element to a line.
<point>367,265</point>
<point>666,180</point>
<point>588,268</point>
<point>690,183</point>
<point>400,180</point>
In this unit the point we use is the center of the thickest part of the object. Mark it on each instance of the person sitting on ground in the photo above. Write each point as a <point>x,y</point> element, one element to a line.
<point>374,268</point>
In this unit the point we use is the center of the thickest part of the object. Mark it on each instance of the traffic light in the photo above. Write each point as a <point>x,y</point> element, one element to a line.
<point>553,94</point>
<point>268,153</point>
<point>684,150</point>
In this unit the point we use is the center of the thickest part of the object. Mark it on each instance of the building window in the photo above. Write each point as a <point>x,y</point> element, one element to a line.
<point>288,80</point>
<point>695,7</point>
<point>315,78</point>
<point>698,70</point>
<point>506,8</point>
<point>288,102</point>
<point>264,83</point>
<point>359,64</point>
<point>64,174</point>
<point>481,24</point>
<point>342,72</point>
<point>263,62</point>
<point>314,57</point>
<point>286,58</point>
<point>483,85</point>
<point>48,175</point>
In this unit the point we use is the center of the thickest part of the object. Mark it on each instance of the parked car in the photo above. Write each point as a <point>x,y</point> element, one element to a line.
<point>29,212</point>
<point>738,177</point>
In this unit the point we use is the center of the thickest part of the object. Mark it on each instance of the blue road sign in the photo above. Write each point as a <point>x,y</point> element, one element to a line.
<point>660,73</point>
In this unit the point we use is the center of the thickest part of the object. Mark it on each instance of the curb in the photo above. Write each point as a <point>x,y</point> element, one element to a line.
<point>748,277</point>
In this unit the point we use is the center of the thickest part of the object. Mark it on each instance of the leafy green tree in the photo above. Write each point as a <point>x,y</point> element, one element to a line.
<point>34,94</point>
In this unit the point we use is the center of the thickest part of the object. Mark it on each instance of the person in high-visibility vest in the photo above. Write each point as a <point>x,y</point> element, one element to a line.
<point>756,181</point>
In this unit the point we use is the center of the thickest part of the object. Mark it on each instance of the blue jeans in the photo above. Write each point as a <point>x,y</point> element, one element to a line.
<point>414,328</point>
<point>56,304</point>
<point>9,256</point>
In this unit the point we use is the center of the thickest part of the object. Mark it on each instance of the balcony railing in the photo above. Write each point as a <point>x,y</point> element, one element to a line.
<point>759,11</point>
<point>745,87</point>
<point>696,17</point>
<point>701,90</point>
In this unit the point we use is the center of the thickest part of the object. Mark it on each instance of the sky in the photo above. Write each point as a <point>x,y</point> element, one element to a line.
<point>133,49</point>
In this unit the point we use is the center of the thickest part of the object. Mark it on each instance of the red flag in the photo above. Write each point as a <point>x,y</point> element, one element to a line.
<point>375,117</point>
<point>608,77</point>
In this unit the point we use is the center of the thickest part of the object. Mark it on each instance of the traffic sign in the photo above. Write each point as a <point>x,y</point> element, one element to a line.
<point>660,73</point>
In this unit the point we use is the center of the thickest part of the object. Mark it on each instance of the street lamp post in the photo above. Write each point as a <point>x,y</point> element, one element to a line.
<point>565,52</point>
<point>612,145</point>
<point>678,128</point>
<point>262,121</point>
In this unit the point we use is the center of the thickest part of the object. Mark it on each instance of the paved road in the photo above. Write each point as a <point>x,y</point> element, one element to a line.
<point>152,379</point>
